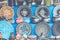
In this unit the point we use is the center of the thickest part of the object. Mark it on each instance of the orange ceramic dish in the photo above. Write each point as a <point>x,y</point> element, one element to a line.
<point>8,12</point>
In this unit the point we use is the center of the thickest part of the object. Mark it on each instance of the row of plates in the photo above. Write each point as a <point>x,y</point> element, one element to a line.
<point>42,29</point>
<point>24,11</point>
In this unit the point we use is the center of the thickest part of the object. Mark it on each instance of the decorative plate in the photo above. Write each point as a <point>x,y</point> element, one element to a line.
<point>7,12</point>
<point>25,27</point>
<point>6,28</point>
<point>42,29</point>
<point>24,11</point>
<point>56,28</point>
<point>56,12</point>
<point>42,11</point>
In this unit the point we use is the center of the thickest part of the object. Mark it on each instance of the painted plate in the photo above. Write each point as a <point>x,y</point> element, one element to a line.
<point>56,28</point>
<point>25,27</point>
<point>56,12</point>
<point>24,11</point>
<point>42,11</point>
<point>7,12</point>
<point>6,28</point>
<point>42,29</point>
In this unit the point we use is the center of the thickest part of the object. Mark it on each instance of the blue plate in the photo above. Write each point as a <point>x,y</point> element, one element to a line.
<point>6,28</point>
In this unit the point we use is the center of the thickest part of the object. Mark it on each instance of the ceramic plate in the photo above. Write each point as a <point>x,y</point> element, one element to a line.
<point>42,29</point>
<point>25,27</point>
<point>42,11</point>
<point>56,12</point>
<point>24,11</point>
<point>6,28</point>
<point>56,28</point>
<point>7,12</point>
